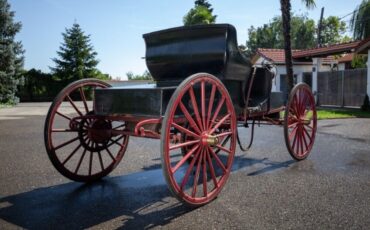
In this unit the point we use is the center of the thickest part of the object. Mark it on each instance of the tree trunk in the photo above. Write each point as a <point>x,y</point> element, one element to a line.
<point>285,11</point>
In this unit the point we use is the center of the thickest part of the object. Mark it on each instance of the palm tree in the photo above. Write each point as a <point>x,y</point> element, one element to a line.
<point>285,12</point>
<point>360,21</point>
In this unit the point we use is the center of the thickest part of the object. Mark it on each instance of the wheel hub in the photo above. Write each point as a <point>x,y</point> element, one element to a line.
<point>210,140</point>
<point>99,131</point>
<point>94,134</point>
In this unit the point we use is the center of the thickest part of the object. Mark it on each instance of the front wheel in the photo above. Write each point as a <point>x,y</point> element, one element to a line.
<point>197,167</point>
<point>300,122</point>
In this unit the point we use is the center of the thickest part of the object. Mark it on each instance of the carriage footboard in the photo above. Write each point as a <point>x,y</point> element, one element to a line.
<point>144,100</point>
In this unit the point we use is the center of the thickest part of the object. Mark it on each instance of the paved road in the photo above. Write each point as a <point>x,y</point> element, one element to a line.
<point>267,189</point>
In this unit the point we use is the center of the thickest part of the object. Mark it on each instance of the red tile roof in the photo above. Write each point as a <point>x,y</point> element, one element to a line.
<point>274,55</point>
<point>277,56</point>
<point>328,50</point>
<point>346,58</point>
<point>301,56</point>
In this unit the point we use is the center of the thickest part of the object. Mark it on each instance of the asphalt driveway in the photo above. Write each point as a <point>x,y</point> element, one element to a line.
<point>266,190</point>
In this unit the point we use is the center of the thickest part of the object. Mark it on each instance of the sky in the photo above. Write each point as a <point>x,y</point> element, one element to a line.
<point>116,26</point>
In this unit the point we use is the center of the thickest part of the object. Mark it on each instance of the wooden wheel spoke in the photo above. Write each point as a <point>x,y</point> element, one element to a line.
<point>224,134</point>
<point>304,138</point>
<point>293,132</point>
<point>308,135</point>
<point>189,118</point>
<point>293,124</point>
<point>203,103</point>
<point>296,148</point>
<point>304,109</point>
<point>218,108</point>
<point>218,161</point>
<point>219,123</point>
<point>223,148</point>
<point>80,161</point>
<point>72,153</point>
<point>115,142</point>
<point>74,105</point>
<point>90,163</point>
<point>300,103</point>
<point>295,105</point>
<point>84,99</point>
<point>185,130</point>
<point>184,159</point>
<point>308,126</point>
<point>189,170</point>
<point>210,105</point>
<point>294,140</point>
<point>211,169</point>
<point>66,143</point>
<point>301,140</point>
<point>204,171</point>
<point>111,155</point>
<point>197,172</point>
<point>195,107</point>
<point>64,116</point>
<point>120,126</point>
<point>172,147</point>
<point>101,161</point>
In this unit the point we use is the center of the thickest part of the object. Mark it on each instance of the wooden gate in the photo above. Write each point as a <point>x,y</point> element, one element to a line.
<point>345,88</point>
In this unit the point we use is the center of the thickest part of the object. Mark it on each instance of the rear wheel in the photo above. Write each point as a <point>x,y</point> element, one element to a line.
<point>79,143</point>
<point>196,160</point>
<point>300,122</point>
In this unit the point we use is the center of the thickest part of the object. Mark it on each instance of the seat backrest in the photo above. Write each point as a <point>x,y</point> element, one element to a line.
<point>176,53</point>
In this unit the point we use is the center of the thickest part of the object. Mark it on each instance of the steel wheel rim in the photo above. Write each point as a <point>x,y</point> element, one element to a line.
<point>300,122</point>
<point>207,181</point>
<point>95,155</point>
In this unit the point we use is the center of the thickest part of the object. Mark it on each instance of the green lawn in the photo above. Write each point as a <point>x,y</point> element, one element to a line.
<point>341,113</point>
<point>5,105</point>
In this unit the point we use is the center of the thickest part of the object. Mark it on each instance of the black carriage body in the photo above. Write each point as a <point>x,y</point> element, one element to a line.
<point>174,54</point>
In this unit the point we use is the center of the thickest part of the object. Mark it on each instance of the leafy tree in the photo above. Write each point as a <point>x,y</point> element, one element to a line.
<point>11,55</point>
<point>360,21</point>
<point>200,14</point>
<point>332,30</point>
<point>359,61</point>
<point>303,32</point>
<point>285,12</point>
<point>76,57</point>
<point>204,3</point>
<point>36,84</point>
<point>145,76</point>
<point>271,35</point>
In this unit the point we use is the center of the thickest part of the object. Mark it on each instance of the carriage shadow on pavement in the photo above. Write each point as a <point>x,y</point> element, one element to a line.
<point>138,200</point>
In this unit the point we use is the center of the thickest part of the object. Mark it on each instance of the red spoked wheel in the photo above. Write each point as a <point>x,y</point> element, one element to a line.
<point>80,144</point>
<point>197,167</point>
<point>300,122</point>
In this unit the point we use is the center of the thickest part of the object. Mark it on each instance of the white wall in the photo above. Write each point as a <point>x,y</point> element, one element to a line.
<point>341,66</point>
<point>298,69</point>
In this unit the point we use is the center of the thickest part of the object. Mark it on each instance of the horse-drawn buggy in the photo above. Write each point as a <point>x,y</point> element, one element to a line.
<point>204,90</point>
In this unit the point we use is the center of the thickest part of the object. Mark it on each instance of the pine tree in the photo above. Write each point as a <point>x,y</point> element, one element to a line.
<point>11,55</point>
<point>76,56</point>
